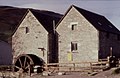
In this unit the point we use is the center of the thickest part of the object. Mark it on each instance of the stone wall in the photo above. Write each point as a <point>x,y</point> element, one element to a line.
<point>30,38</point>
<point>85,35</point>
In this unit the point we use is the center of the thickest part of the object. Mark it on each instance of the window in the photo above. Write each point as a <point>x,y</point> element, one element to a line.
<point>73,25</point>
<point>74,46</point>
<point>27,30</point>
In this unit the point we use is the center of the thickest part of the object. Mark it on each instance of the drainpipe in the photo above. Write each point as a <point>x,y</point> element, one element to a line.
<point>54,26</point>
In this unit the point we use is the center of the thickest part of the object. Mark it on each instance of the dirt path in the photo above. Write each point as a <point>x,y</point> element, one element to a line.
<point>104,74</point>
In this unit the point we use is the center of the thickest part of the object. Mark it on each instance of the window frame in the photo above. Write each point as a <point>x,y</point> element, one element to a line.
<point>74,46</point>
<point>73,26</point>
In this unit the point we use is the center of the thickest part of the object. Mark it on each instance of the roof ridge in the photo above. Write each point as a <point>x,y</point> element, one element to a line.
<point>100,22</point>
<point>86,10</point>
<point>46,12</point>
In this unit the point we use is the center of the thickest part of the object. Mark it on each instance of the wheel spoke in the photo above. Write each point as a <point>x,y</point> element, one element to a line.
<point>20,63</point>
<point>17,67</point>
<point>27,66</point>
<point>25,61</point>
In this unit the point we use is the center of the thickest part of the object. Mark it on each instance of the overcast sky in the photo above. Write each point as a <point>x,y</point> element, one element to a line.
<point>108,8</point>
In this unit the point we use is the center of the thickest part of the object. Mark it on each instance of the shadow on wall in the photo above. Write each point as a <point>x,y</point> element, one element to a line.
<point>5,53</point>
<point>108,45</point>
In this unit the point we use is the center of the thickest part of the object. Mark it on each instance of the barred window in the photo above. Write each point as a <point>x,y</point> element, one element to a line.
<point>74,46</point>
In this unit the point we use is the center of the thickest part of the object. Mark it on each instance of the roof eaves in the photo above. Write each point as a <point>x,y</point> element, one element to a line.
<point>32,11</point>
<point>115,30</point>
<point>64,15</point>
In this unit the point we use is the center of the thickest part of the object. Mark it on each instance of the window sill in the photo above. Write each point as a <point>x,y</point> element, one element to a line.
<point>74,51</point>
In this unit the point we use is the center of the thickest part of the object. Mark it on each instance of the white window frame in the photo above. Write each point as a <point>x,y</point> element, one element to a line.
<point>73,23</point>
<point>74,46</point>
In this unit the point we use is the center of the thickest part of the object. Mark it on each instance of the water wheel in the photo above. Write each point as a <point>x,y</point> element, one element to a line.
<point>26,62</point>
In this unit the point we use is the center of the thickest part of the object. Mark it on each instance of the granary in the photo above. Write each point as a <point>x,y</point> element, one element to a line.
<point>85,36</point>
<point>29,33</point>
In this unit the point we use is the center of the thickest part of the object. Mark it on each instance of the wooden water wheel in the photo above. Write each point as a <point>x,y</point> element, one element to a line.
<point>26,62</point>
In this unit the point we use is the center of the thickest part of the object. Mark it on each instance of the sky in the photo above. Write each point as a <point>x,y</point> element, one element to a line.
<point>107,8</point>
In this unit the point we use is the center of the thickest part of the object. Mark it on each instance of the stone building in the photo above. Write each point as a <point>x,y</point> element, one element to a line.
<point>80,36</point>
<point>28,31</point>
<point>85,36</point>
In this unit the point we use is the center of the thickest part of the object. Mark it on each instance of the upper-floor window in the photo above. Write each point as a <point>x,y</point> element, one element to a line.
<point>74,46</point>
<point>74,25</point>
<point>27,30</point>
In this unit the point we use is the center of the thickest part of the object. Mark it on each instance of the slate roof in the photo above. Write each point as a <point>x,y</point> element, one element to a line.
<point>11,17</point>
<point>100,22</point>
<point>46,18</point>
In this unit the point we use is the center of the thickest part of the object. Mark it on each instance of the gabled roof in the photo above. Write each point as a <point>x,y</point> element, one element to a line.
<point>46,18</point>
<point>11,17</point>
<point>98,21</point>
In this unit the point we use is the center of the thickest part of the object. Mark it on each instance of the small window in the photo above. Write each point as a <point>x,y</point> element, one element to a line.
<point>107,35</point>
<point>74,46</point>
<point>27,30</point>
<point>74,26</point>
